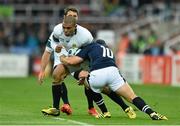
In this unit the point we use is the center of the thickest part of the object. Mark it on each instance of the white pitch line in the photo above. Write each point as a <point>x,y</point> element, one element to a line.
<point>73,121</point>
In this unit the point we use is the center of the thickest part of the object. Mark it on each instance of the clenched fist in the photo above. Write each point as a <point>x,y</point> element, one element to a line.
<point>58,48</point>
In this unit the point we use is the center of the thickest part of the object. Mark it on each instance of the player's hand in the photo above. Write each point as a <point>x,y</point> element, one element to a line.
<point>58,48</point>
<point>41,77</point>
<point>62,57</point>
<point>81,81</point>
<point>83,74</point>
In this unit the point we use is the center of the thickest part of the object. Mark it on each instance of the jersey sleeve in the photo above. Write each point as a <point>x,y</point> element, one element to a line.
<point>53,39</point>
<point>83,53</point>
<point>85,36</point>
<point>51,43</point>
<point>48,44</point>
<point>56,32</point>
<point>89,36</point>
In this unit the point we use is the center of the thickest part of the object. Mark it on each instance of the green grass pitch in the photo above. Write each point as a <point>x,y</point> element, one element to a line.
<point>21,101</point>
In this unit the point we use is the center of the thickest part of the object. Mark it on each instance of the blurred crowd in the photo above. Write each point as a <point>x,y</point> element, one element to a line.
<point>24,38</point>
<point>142,41</point>
<point>45,1</point>
<point>30,38</point>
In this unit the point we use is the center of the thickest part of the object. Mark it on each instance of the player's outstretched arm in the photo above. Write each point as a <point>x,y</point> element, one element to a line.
<point>72,60</point>
<point>44,61</point>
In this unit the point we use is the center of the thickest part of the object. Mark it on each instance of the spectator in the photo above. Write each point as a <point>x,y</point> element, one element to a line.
<point>32,44</point>
<point>152,44</point>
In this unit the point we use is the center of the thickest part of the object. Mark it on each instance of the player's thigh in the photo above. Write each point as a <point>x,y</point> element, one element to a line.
<point>126,91</point>
<point>59,72</point>
<point>97,80</point>
<point>115,80</point>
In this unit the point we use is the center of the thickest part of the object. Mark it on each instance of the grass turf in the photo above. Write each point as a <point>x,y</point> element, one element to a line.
<point>21,101</point>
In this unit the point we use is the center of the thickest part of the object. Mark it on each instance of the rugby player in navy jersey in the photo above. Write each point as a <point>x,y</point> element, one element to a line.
<point>101,60</point>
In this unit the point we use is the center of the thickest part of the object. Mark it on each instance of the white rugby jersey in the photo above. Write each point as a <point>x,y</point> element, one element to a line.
<point>79,39</point>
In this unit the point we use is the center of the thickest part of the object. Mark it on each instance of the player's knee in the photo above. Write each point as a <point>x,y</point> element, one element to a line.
<point>131,97</point>
<point>56,78</point>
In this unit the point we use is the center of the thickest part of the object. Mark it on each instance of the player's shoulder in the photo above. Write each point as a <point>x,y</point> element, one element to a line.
<point>58,30</point>
<point>82,29</point>
<point>89,46</point>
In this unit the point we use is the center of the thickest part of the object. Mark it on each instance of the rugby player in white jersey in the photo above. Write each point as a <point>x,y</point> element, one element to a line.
<point>72,11</point>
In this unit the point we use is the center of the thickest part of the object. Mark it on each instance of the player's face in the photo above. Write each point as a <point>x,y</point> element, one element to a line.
<point>69,29</point>
<point>72,13</point>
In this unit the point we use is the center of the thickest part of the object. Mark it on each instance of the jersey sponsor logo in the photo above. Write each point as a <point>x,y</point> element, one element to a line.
<point>74,45</point>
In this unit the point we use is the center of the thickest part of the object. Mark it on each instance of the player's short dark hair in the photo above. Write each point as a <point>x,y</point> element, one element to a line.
<point>70,20</point>
<point>101,42</point>
<point>71,8</point>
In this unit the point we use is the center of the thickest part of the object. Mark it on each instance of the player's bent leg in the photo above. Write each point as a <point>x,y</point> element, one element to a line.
<point>54,111</point>
<point>56,94</point>
<point>62,72</point>
<point>91,110</point>
<point>65,108</point>
<point>127,109</point>
<point>58,75</point>
<point>64,93</point>
<point>127,92</point>
<point>97,97</point>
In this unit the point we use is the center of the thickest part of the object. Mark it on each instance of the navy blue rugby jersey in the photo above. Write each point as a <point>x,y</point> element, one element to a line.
<point>98,55</point>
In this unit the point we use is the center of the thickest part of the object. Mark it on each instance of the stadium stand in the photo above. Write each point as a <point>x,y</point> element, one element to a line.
<point>149,26</point>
